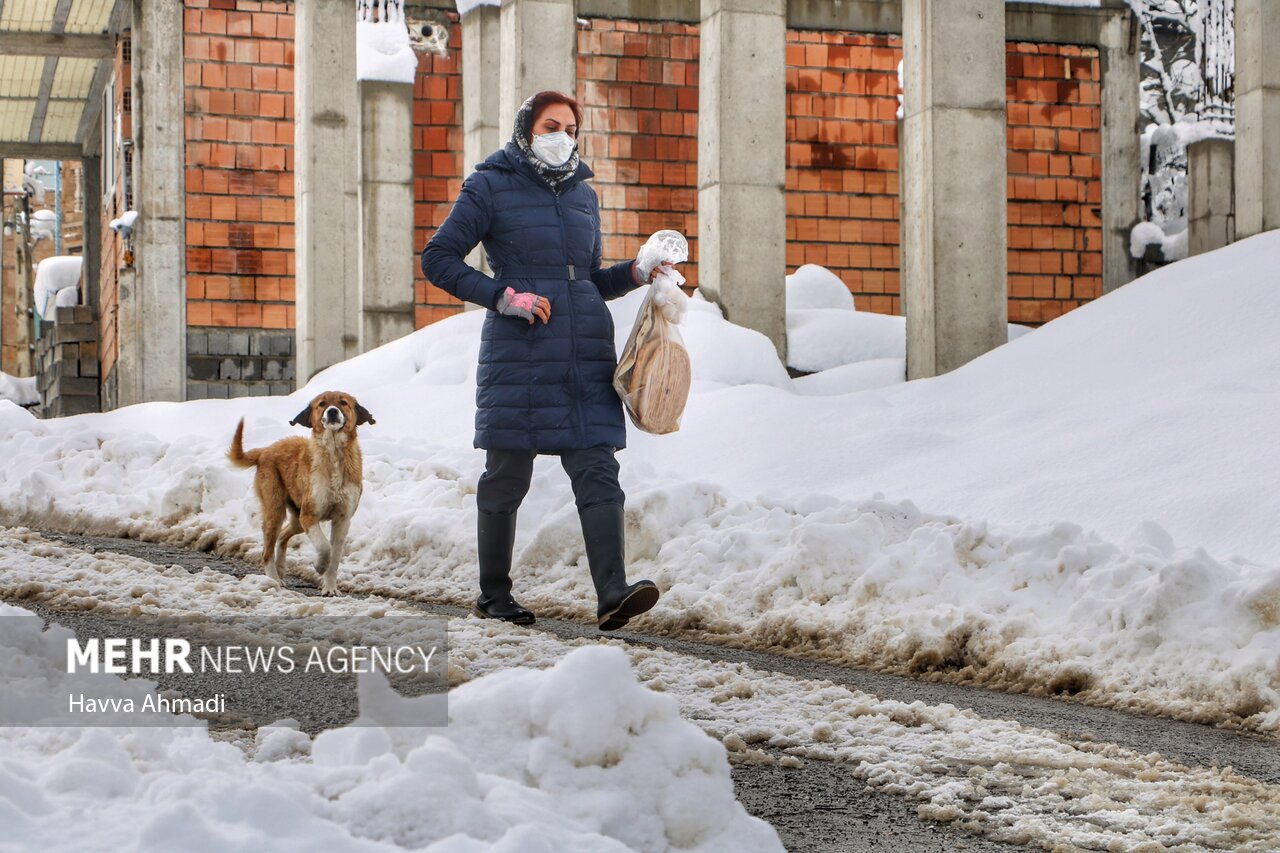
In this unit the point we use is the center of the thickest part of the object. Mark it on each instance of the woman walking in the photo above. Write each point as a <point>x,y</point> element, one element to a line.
<point>545,378</point>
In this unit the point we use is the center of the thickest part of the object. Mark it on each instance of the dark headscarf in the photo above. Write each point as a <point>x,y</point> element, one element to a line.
<point>553,175</point>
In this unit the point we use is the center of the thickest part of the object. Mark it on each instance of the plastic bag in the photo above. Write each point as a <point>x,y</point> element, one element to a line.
<point>654,372</point>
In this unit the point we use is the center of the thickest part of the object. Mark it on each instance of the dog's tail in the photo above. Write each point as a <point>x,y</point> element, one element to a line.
<point>237,454</point>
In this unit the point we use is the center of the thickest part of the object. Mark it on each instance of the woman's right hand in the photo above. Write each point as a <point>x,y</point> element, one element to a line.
<point>525,305</point>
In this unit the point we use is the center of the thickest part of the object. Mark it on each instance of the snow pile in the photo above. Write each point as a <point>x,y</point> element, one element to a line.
<point>57,284</point>
<point>20,390</point>
<point>126,221</point>
<point>826,332</point>
<point>383,50</point>
<point>1063,514</point>
<point>579,757</point>
<point>44,225</point>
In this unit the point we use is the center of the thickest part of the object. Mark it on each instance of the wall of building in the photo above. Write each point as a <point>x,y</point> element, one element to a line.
<point>116,201</point>
<point>238,70</point>
<point>438,167</point>
<point>638,85</point>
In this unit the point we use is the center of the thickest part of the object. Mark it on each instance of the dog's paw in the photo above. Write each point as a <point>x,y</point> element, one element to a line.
<point>328,586</point>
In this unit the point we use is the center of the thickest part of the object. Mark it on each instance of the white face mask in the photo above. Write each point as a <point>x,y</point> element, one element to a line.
<point>554,149</point>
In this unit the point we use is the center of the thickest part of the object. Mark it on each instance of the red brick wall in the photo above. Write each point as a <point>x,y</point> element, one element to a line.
<point>438,167</point>
<point>638,88</point>
<point>842,165</point>
<point>239,155</point>
<point>1055,187</point>
<point>842,161</point>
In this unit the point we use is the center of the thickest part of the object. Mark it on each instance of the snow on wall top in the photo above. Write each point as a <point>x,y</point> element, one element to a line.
<point>383,51</point>
<point>465,6</point>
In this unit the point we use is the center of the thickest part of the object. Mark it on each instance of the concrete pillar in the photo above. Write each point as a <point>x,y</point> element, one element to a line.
<point>742,235</point>
<point>484,127</point>
<point>1257,116</point>
<point>1210,195</point>
<point>90,169</point>
<point>326,180</point>
<point>1121,143</point>
<point>152,363</point>
<point>386,212</point>
<point>538,44</point>
<point>953,176</point>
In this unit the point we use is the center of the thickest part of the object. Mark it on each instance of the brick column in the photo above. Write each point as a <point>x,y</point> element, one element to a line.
<point>483,129</point>
<point>1121,141</point>
<point>742,225</point>
<point>153,305</point>
<point>539,50</point>
<point>954,198</point>
<point>326,173</point>
<point>1257,116</point>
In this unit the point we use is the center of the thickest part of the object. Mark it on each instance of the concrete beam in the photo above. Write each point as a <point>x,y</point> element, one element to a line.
<point>80,45</point>
<point>742,236</point>
<point>1121,63</point>
<point>1257,91</point>
<point>326,179</point>
<point>386,212</point>
<point>90,131</point>
<point>539,50</point>
<point>1210,195</point>
<point>1031,22</point>
<point>484,127</point>
<point>153,307</point>
<point>953,183</point>
<point>41,150</point>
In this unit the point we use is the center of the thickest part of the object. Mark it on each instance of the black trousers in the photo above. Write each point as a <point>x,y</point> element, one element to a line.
<point>593,472</point>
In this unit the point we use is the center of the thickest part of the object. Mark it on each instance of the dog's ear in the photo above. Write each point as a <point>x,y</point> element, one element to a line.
<point>303,418</point>
<point>363,416</point>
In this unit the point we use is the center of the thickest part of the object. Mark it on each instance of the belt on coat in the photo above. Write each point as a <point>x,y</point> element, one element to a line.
<point>558,271</point>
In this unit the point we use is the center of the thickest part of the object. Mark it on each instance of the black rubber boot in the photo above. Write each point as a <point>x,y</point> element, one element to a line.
<point>603,529</point>
<point>495,537</point>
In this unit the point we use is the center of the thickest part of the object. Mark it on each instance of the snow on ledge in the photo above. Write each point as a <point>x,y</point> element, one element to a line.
<point>383,51</point>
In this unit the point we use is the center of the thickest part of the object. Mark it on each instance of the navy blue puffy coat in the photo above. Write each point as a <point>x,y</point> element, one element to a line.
<point>543,387</point>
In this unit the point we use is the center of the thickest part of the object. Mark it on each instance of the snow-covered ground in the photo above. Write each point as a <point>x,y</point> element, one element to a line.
<point>578,755</point>
<point>1063,514</point>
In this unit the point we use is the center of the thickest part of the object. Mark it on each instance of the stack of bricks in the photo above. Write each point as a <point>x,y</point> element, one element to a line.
<point>226,363</point>
<point>438,167</point>
<point>842,161</point>
<point>1054,102</point>
<point>67,363</point>
<point>238,68</point>
<point>638,88</point>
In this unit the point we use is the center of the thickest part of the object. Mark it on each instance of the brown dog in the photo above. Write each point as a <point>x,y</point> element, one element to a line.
<point>310,480</point>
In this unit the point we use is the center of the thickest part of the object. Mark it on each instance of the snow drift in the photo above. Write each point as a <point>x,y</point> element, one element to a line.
<point>578,757</point>
<point>1062,515</point>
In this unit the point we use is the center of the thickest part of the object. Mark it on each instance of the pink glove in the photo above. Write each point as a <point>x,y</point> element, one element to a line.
<point>521,305</point>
